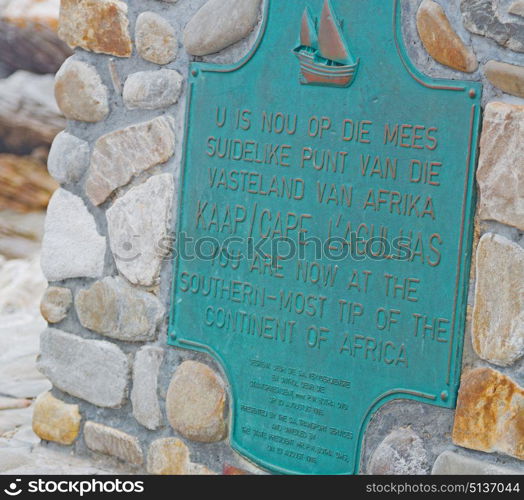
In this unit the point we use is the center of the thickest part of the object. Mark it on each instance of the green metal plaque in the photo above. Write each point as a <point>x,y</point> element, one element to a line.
<point>325,230</point>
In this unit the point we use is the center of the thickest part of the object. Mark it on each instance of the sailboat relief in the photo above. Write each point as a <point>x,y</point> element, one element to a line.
<point>323,53</point>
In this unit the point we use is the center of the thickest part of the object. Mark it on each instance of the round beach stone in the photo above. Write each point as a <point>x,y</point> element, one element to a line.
<point>507,77</point>
<point>219,24</point>
<point>55,304</point>
<point>80,93</point>
<point>168,457</point>
<point>195,403</point>
<point>155,38</point>
<point>401,453</point>
<point>68,158</point>
<point>54,420</point>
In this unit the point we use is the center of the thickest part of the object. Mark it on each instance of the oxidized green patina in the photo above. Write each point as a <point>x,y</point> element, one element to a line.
<point>326,222</point>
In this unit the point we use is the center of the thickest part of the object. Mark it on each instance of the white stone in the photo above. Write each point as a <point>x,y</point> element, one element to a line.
<point>109,441</point>
<point>453,464</point>
<point>120,311</point>
<point>144,397</point>
<point>80,93</point>
<point>93,370</point>
<point>152,89</point>
<point>219,24</point>
<point>155,38</point>
<point>497,328</point>
<point>68,158</point>
<point>71,247</point>
<point>122,154</point>
<point>501,165</point>
<point>138,223</point>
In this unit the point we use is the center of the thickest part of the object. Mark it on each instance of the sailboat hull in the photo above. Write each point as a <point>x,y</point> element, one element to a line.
<point>316,73</point>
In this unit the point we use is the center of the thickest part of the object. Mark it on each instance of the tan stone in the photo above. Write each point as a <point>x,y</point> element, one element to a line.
<point>80,93</point>
<point>55,304</point>
<point>109,441</point>
<point>168,457</point>
<point>200,470</point>
<point>195,403</point>
<point>96,25</point>
<point>517,8</point>
<point>54,420</point>
<point>500,174</point>
<point>507,77</point>
<point>498,317</point>
<point>155,38</point>
<point>440,39</point>
<point>490,413</point>
<point>122,154</point>
<point>26,13</point>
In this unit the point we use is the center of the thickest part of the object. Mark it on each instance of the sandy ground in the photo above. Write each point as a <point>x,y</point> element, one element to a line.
<point>21,287</point>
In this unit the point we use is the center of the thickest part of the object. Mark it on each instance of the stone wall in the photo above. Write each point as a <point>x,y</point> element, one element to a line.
<point>118,390</point>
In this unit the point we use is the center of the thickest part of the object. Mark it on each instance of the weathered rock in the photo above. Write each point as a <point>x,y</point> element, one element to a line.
<point>117,310</point>
<point>144,395</point>
<point>30,12</point>
<point>219,24</point>
<point>152,89</point>
<point>29,116</point>
<point>517,8</point>
<point>489,413</point>
<point>68,158</point>
<point>231,470</point>
<point>195,403</point>
<point>453,464</point>
<point>440,39</point>
<point>498,317</point>
<point>501,165</point>
<point>155,38</point>
<point>71,247</point>
<point>138,222</point>
<point>80,93</point>
<point>401,453</point>
<point>96,25</point>
<point>507,77</point>
<point>109,441</point>
<point>55,304</point>
<point>168,457</point>
<point>54,420</point>
<point>93,370</point>
<point>120,155</point>
<point>481,17</point>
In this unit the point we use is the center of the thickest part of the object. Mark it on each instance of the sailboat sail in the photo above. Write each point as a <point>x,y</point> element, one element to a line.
<point>330,38</point>
<point>308,32</point>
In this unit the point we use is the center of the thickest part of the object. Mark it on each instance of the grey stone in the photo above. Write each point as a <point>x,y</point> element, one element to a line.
<point>71,247</point>
<point>402,452</point>
<point>497,328</point>
<point>481,17</point>
<point>152,89</point>
<point>138,222</point>
<point>500,174</point>
<point>55,304</point>
<point>219,24</point>
<point>122,154</point>
<point>155,38</point>
<point>117,310</point>
<point>93,370</point>
<point>68,158</point>
<point>144,397</point>
<point>453,464</point>
<point>80,93</point>
<point>109,441</point>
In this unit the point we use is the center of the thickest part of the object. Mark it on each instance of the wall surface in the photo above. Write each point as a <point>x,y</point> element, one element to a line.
<point>118,390</point>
